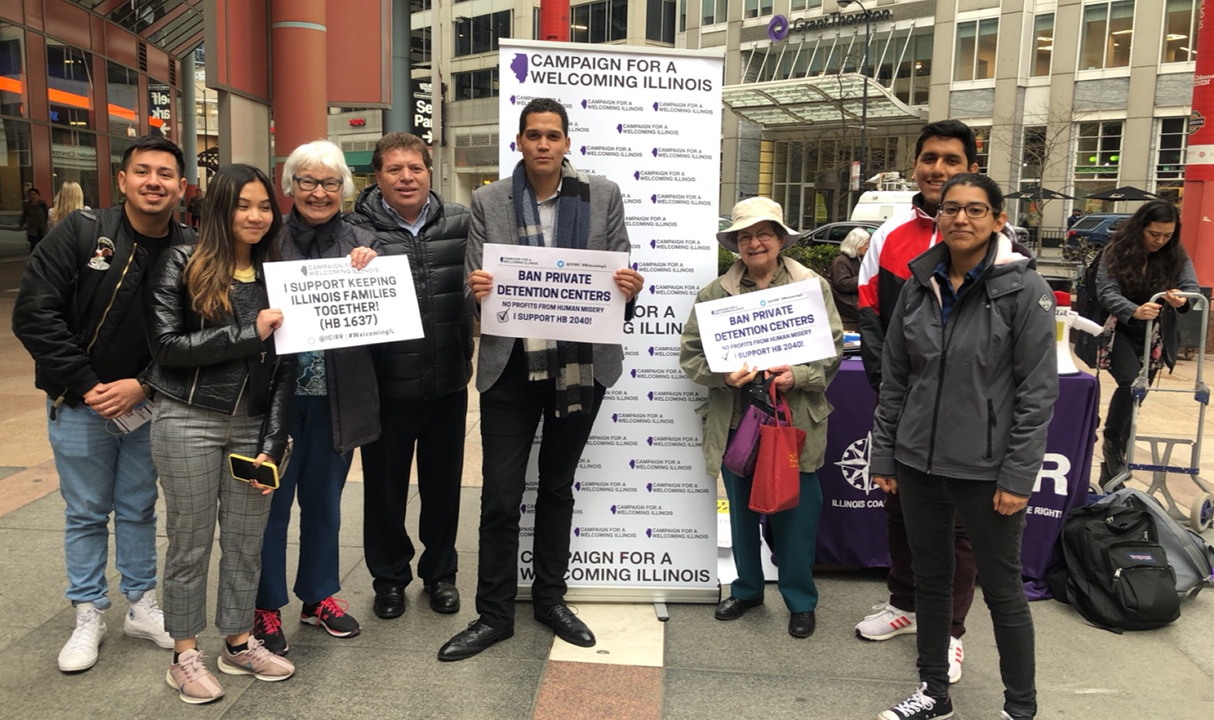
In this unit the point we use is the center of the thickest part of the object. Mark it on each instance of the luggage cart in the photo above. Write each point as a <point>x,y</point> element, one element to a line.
<point>1201,511</point>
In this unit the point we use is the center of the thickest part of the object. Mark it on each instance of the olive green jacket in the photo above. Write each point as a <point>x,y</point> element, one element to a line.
<point>807,397</point>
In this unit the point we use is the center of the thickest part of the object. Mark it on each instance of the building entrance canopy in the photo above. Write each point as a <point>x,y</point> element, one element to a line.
<point>834,99</point>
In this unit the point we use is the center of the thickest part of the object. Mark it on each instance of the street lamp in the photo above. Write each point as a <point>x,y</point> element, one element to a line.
<point>868,26</point>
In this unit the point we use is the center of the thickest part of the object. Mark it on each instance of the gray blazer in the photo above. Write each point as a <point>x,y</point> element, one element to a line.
<point>493,222</point>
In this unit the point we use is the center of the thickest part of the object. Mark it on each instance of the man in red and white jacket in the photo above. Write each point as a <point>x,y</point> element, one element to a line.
<point>944,149</point>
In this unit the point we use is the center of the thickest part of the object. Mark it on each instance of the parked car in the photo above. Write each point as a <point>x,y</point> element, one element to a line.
<point>1097,229</point>
<point>833,233</point>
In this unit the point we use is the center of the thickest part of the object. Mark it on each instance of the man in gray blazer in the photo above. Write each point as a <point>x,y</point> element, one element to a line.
<point>545,202</point>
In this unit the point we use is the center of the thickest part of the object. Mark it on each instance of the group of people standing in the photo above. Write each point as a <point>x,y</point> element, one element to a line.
<point>155,346</point>
<point>125,308</point>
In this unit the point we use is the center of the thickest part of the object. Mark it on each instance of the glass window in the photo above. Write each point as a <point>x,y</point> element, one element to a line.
<point>481,33</point>
<point>1033,152</point>
<point>69,85</point>
<point>1179,31</point>
<point>659,21</point>
<point>419,45</point>
<point>74,157</point>
<point>12,70</point>
<point>682,15</point>
<point>755,8</point>
<point>601,21</point>
<point>1043,44</point>
<point>476,84</point>
<point>983,137</point>
<point>714,11</point>
<point>977,41</point>
<point>16,166</point>
<point>1099,150</point>
<point>122,89</point>
<point>805,4</point>
<point>1108,28</point>
<point>1173,137</point>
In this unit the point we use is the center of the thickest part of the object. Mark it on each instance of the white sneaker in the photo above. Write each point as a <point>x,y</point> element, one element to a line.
<point>80,652</point>
<point>886,623</point>
<point>956,654</point>
<point>145,620</point>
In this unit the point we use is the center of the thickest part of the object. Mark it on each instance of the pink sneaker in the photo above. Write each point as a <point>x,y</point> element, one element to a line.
<point>256,661</point>
<point>194,683</point>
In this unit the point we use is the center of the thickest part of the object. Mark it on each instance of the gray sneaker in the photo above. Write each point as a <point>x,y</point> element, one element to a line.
<point>194,683</point>
<point>256,661</point>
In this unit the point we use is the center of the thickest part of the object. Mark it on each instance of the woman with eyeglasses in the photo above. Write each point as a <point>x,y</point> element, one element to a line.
<point>969,380</point>
<point>336,409</point>
<point>1144,257</point>
<point>757,235</point>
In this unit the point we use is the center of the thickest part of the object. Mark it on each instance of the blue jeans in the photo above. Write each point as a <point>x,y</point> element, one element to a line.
<point>103,471</point>
<point>318,475</point>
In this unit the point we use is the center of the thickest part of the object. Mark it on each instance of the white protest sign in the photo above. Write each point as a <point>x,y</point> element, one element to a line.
<point>785,325</point>
<point>328,304</point>
<point>553,294</point>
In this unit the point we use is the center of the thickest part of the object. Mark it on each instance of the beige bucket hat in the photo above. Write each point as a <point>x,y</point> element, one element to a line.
<point>752,211</point>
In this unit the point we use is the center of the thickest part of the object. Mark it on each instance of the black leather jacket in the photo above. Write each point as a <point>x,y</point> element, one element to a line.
<point>74,312</point>
<point>214,364</point>
<point>441,362</point>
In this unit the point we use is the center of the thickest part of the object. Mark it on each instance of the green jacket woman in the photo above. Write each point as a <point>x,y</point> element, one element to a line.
<point>757,235</point>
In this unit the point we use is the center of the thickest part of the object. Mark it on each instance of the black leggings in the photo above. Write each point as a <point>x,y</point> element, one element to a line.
<point>1125,363</point>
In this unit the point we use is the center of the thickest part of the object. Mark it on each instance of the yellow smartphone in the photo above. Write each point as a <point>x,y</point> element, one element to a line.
<point>242,469</point>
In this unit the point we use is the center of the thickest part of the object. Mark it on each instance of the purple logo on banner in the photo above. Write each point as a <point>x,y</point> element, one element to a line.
<point>519,67</point>
<point>777,29</point>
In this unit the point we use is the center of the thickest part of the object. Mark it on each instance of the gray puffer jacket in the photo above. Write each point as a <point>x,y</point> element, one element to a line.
<point>972,400</point>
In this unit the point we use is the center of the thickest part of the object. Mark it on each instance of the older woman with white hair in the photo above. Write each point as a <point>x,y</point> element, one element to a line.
<point>845,278</point>
<point>336,409</point>
<point>757,235</point>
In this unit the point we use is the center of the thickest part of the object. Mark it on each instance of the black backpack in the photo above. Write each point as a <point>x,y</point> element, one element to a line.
<point>1088,305</point>
<point>1117,575</point>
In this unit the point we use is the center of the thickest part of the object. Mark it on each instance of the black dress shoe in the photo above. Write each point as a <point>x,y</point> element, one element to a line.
<point>390,602</point>
<point>802,624</point>
<point>444,597</point>
<point>732,608</point>
<point>565,624</point>
<point>479,636</point>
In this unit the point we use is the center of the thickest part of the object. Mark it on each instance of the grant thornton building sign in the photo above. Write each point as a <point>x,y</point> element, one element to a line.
<point>780,26</point>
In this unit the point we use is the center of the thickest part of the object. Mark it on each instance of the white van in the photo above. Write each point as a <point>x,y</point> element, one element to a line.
<point>881,205</point>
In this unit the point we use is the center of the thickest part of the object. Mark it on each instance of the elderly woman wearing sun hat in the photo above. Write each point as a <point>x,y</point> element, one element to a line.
<point>758,234</point>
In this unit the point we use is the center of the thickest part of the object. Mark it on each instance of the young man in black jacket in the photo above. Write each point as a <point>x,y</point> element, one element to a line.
<point>423,383</point>
<point>80,314</point>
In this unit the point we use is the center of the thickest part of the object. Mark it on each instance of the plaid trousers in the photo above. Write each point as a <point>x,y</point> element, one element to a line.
<point>190,447</point>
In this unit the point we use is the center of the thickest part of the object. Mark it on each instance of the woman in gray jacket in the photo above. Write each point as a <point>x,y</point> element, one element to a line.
<point>969,380</point>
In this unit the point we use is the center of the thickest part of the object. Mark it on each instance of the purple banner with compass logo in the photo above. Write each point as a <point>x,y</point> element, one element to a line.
<point>852,531</point>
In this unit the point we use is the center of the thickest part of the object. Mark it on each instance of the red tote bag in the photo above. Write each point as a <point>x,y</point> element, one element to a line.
<point>777,480</point>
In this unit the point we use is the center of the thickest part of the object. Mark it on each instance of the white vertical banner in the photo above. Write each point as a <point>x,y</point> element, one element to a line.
<point>649,119</point>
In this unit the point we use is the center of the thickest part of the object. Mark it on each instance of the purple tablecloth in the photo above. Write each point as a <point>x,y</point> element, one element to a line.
<point>852,530</point>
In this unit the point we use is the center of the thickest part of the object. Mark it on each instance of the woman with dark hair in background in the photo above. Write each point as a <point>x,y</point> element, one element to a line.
<point>968,384</point>
<point>220,389</point>
<point>1145,257</point>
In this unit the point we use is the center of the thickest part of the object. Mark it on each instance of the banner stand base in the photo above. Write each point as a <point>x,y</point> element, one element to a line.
<point>636,595</point>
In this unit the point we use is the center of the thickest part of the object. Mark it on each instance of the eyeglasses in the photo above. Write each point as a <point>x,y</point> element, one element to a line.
<point>308,184</point>
<point>975,211</point>
<point>765,236</point>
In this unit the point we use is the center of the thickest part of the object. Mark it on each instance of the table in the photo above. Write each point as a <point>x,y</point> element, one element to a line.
<point>852,531</point>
